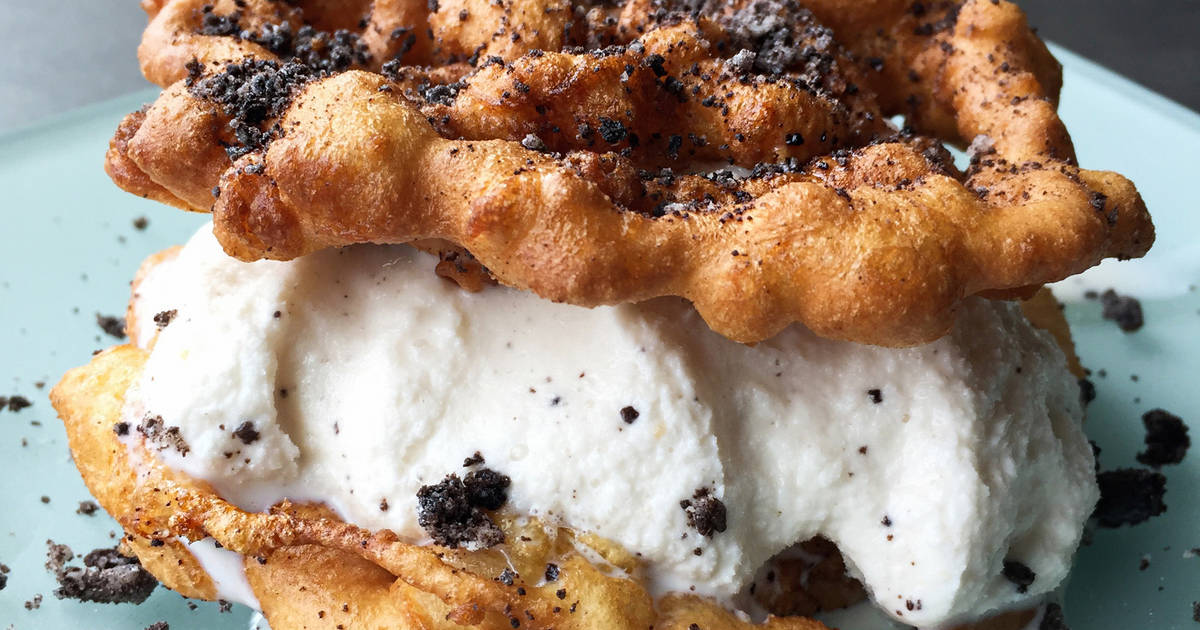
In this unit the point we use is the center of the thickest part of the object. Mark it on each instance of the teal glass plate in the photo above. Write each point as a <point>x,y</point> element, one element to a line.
<point>69,246</point>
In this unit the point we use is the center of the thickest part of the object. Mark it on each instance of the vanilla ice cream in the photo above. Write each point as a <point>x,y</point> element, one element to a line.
<point>362,376</point>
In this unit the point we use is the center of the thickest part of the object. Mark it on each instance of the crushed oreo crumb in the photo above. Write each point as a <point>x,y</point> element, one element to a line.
<point>1020,574</point>
<point>106,577</point>
<point>705,513</point>
<point>165,437</point>
<point>629,414</point>
<point>551,572</point>
<point>487,488</point>
<point>613,131</point>
<point>452,511</point>
<point>112,326</point>
<point>507,577</point>
<point>1167,440</point>
<point>15,403</point>
<point>1053,618</point>
<point>141,223</point>
<point>251,93</point>
<point>163,318</point>
<point>87,508</point>
<point>1087,391</point>
<point>158,625</point>
<point>876,395</point>
<point>1122,309</point>
<point>1129,496</point>
<point>473,460</point>
<point>121,429</point>
<point>534,143</point>
<point>246,433</point>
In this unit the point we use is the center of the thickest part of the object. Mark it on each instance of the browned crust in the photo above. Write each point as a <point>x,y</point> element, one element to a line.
<point>879,250</point>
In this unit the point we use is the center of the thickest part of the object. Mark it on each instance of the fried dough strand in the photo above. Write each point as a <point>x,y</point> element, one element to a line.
<point>567,173</point>
<point>880,250</point>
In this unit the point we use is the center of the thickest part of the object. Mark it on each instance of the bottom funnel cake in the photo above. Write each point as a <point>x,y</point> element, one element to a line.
<point>348,441</point>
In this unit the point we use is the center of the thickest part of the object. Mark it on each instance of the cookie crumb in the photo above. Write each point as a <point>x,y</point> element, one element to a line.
<point>139,224</point>
<point>165,437</point>
<point>246,433</point>
<point>705,513</point>
<point>1129,496</point>
<point>16,403</point>
<point>453,513</point>
<point>1167,440</point>
<point>106,577</point>
<point>112,326</point>
<point>1053,618</point>
<point>1020,574</point>
<point>163,318</point>
<point>1122,309</point>
<point>87,508</point>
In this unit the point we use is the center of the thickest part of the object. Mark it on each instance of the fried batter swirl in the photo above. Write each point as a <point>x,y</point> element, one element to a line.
<point>733,153</point>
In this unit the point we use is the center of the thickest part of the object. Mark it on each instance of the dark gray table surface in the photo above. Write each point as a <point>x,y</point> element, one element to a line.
<point>56,55</point>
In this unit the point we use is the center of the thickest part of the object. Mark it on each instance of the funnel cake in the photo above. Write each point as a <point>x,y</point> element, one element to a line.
<point>308,568</point>
<point>735,154</point>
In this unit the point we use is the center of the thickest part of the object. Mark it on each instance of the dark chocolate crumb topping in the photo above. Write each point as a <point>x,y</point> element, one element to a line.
<point>1167,440</point>
<point>629,414</point>
<point>1129,496</point>
<point>507,577</point>
<point>705,513</point>
<point>87,508</point>
<point>158,625</point>
<point>106,577</point>
<point>15,403</point>
<point>1053,619</point>
<point>246,433</point>
<point>876,395</point>
<point>1122,309</point>
<point>141,223</point>
<point>1020,574</point>
<point>161,435</point>
<point>551,572</point>
<point>473,460</point>
<point>453,513</point>
<point>487,488</point>
<point>321,50</point>
<point>1087,391</point>
<point>251,93</point>
<point>112,326</point>
<point>163,318</point>
<point>613,131</point>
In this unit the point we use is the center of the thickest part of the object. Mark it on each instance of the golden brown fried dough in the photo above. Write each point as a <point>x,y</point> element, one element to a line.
<point>875,244</point>
<point>880,250</point>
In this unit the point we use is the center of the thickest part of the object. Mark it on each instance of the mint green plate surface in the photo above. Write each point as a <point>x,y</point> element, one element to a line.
<point>68,248</point>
